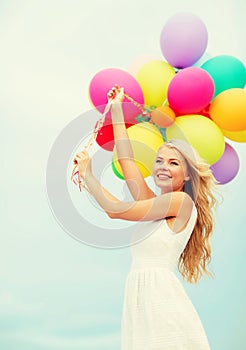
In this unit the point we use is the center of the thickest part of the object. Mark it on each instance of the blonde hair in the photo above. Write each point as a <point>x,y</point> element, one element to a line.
<point>197,253</point>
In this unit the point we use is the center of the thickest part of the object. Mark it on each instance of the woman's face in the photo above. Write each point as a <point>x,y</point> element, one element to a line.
<point>170,170</point>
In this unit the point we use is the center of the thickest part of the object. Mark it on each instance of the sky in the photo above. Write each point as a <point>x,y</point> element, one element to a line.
<point>57,292</point>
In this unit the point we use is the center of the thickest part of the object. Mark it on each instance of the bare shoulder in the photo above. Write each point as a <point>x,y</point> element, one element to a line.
<point>188,205</point>
<point>182,202</point>
<point>178,223</point>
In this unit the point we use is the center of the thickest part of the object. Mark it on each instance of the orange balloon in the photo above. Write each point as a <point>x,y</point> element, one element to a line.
<point>163,116</point>
<point>228,109</point>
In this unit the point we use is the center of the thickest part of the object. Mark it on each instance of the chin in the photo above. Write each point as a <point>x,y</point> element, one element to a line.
<point>164,188</point>
<point>163,184</point>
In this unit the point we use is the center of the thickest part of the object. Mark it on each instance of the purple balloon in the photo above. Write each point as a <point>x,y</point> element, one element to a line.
<point>226,168</point>
<point>183,40</point>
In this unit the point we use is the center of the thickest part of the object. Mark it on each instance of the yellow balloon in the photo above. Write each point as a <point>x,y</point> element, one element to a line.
<point>238,136</point>
<point>202,133</point>
<point>145,139</point>
<point>228,110</point>
<point>154,78</point>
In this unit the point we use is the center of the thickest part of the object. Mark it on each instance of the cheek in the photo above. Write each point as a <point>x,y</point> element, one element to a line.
<point>178,173</point>
<point>155,167</point>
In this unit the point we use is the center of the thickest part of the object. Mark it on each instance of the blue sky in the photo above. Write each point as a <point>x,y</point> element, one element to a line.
<point>55,292</point>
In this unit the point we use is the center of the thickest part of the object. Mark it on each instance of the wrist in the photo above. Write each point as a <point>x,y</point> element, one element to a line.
<point>116,106</point>
<point>88,175</point>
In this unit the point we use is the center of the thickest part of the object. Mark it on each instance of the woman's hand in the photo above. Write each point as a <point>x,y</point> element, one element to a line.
<point>83,162</point>
<point>116,94</point>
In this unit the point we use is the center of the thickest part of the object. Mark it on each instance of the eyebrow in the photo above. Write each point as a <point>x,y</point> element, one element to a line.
<point>169,158</point>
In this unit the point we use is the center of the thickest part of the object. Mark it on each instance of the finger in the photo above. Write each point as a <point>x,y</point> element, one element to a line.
<point>84,153</point>
<point>110,94</point>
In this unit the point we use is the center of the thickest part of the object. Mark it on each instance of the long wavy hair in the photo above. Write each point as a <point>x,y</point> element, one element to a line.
<point>201,187</point>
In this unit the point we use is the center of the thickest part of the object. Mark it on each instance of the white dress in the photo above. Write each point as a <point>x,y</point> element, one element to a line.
<point>157,313</point>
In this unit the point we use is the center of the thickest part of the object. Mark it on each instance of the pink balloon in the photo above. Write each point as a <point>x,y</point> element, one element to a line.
<point>104,80</point>
<point>190,91</point>
<point>226,168</point>
<point>183,39</point>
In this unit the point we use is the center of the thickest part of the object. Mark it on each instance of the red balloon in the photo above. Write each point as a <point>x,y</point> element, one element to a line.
<point>205,112</point>
<point>105,136</point>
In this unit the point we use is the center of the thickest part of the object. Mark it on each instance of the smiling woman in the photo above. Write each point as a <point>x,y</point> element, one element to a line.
<point>170,170</point>
<point>157,313</point>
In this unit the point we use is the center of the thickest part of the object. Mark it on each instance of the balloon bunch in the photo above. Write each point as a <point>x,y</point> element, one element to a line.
<point>190,96</point>
<point>75,177</point>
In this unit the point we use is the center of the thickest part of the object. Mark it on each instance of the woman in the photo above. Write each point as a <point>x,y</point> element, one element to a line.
<point>157,312</point>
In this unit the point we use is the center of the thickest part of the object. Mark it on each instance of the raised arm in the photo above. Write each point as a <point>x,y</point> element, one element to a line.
<point>173,204</point>
<point>133,177</point>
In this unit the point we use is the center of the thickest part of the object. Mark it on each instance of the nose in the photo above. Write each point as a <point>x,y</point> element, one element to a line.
<point>163,165</point>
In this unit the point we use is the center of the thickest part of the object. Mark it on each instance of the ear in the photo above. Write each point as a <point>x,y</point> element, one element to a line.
<point>187,178</point>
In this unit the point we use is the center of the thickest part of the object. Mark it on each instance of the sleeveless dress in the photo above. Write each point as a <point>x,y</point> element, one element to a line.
<point>157,313</point>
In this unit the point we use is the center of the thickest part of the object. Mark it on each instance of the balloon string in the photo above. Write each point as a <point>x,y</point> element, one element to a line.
<point>164,103</point>
<point>91,141</point>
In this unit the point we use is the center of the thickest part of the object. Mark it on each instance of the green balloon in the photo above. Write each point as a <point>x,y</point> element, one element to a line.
<point>116,171</point>
<point>227,72</point>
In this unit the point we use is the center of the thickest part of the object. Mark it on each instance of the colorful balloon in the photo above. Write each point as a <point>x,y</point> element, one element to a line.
<point>226,168</point>
<point>183,40</point>
<point>116,171</point>
<point>237,136</point>
<point>103,81</point>
<point>154,78</point>
<point>163,116</point>
<point>190,91</point>
<point>205,112</point>
<point>228,110</point>
<point>105,136</point>
<point>227,72</point>
<point>202,133</point>
<point>145,139</point>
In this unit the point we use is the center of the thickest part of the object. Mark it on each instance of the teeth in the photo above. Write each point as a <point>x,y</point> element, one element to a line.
<point>163,177</point>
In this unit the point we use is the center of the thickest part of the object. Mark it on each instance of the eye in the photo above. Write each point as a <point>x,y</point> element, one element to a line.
<point>175,163</point>
<point>158,161</point>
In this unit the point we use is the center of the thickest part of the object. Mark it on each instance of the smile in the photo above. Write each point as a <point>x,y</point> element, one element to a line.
<point>163,176</point>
